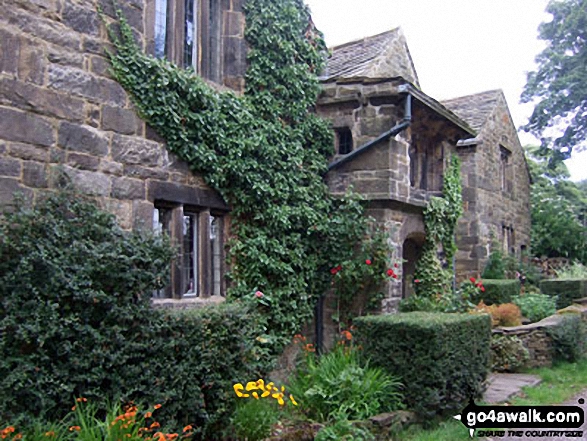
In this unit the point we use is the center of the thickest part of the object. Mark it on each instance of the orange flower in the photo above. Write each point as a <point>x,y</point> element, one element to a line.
<point>73,409</point>
<point>347,335</point>
<point>81,399</point>
<point>148,414</point>
<point>76,428</point>
<point>50,434</point>
<point>154,425</point>
<point>157,406</point>
<point>17,436</point>
<point>309,348</point>
<point>187,428</point>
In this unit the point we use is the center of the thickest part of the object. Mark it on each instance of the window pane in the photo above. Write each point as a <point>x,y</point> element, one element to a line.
<point>216,253</point>
<point>188,44</point>
<point>161,224</point>
<point>189,258</point>
<point>160,28</point>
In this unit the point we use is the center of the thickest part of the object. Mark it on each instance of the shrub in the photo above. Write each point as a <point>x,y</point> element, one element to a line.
<point>338,385</point>
<point>507,314</point>
<point>508,353</point>
<point>574,271</point>
<point>344,430</point>
<point>565,291</point>
<point>77,321</point>
<point>495,267</point>
<point>569,338</point>
<point>442,359</point>
<point>536,307</point>
<point>497,291</point>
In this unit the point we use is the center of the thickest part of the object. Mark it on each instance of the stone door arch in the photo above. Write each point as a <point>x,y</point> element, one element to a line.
<point>411,251</point>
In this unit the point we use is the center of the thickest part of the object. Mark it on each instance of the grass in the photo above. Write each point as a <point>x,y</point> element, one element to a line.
<point>559,383</point>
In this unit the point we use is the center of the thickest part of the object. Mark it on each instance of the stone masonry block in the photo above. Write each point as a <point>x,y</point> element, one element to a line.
<point>119,120</point>
<point>81,83</point>
<point>40,100</point>
<point>9,52</point>
<point>88,182</point>
<point>82,139</point>
<point>25,127</point>
<point>124,188</point>
<point>132,150</point>
<point>8,188</point>
<point>33,175</point>
<point>83,161</point>
<point>10,167</point>
<point>28,152</point>
<point>80,19</point>
<point>31,62</point>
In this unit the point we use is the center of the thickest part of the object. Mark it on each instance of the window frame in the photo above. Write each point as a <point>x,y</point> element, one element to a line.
<point>207,51</point>
<point>205,278</point>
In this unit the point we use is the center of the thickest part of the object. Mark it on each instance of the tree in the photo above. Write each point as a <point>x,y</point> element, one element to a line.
<point>559,85</point>
<point>559,209</point>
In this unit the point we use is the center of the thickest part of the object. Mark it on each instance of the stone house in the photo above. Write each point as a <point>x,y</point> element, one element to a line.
<point>393,143</point>
<point>62,114</point>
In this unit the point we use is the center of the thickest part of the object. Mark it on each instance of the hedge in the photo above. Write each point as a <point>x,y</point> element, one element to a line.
<point>498,291</point>
<point>568,338</point>
<point>76,320</point>
<point>566,290</point>
<point>442,359</point>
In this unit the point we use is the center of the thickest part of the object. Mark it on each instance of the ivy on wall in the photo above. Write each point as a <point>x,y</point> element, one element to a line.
<point>264,152</point>
<point>440,221</point>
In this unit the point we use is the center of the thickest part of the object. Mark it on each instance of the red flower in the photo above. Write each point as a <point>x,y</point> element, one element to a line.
<point>368,262</point>
<point>417,281</point>
<point>259,294</point>
<point>333,271</point>
<point>338,268</point>
<point>394,276</point>
<point>390,272</point>
<point>472,279</point>
<point>396,265</point>
<point>482,289</point>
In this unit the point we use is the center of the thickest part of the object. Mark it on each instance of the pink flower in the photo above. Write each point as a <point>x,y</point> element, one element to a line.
<point>368,262</point>
<point>417,281</point>
<point>259,294</point>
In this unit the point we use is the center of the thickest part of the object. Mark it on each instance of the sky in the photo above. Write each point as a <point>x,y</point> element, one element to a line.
<point>459,47</point>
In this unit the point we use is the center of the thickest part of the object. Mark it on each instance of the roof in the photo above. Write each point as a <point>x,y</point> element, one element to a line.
<point>474,109</point>
<point>385,55</point>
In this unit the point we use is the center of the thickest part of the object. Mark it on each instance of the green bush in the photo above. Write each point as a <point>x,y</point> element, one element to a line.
<point>575,271</point>
<point>536,307</point>
<point>338,385</point>
<point>508,353</point>
<point>497,291</point>
<point>569,338</point>
<point>344,430</point>
<point>495,268</point>
<point>75,296</point>
<point>442,359</point>
<point>565,290</point>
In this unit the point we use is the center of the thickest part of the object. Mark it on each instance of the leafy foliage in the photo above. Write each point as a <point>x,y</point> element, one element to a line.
<point>253,419</point>
<point>535,306</point>
<point>339,385</point>
<point>264,152</point>
<point>441,358</point>
<point>559,85</point>
<point>508,353</point>
<point>559,210</point>
<point>569,338</point>
<point>77,321</point>
<point>433,278</point>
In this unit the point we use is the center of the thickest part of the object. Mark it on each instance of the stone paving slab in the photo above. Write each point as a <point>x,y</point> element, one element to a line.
<point>503,386</point>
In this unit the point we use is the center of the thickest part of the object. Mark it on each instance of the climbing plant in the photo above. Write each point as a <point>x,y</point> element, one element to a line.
<point>264,152</point>
<point>433,279</point>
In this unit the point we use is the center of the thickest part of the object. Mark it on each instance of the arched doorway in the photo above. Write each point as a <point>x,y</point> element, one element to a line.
<point>411,251</point>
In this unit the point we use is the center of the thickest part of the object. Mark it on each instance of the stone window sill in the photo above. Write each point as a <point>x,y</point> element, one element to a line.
<point>188,302</point>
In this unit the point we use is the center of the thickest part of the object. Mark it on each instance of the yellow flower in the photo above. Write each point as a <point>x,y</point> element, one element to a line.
<point>238,388</point>
<point>292,400</point>
<point>251,385</point>
<point>255,395</point>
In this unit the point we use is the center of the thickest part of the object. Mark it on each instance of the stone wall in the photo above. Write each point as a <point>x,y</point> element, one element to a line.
<point>493,207</point>
<point>61,113</point>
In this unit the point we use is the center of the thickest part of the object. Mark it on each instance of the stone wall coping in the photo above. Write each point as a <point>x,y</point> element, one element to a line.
<point>548,322</point>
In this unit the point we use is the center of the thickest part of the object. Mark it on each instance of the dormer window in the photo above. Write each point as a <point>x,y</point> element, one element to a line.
<point>344,140</point>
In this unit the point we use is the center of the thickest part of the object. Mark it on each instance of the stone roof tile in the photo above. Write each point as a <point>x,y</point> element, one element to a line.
<point>385,55</point>
<point>474,109</point>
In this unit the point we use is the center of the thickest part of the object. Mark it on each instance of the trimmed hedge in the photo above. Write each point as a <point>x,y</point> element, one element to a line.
<point>498,291</point>
<point>568,338</point>
<point>566,290</point>
<point>442,359</point>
